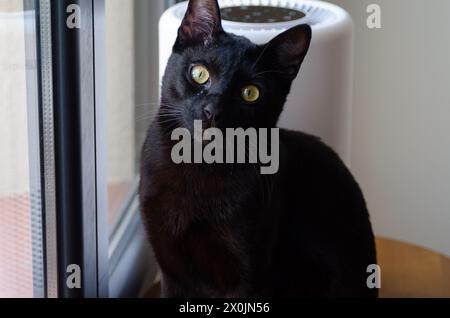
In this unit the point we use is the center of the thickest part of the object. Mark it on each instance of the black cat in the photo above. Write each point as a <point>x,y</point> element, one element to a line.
<point>226,230</point>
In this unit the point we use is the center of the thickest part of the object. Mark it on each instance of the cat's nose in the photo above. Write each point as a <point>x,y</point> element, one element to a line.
<point>211,113</point>
<point>208,112</point>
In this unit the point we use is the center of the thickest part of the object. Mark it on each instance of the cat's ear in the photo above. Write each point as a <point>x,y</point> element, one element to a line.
<point>201,23</point>
<point>288,50</point>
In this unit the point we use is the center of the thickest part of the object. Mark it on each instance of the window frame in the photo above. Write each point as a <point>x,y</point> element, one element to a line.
<point>74,110</point>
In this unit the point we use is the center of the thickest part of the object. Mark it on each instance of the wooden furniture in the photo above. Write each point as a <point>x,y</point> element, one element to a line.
<point>411,271</point>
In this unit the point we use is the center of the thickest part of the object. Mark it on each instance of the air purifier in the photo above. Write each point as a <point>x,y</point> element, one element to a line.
<point>320,98</point>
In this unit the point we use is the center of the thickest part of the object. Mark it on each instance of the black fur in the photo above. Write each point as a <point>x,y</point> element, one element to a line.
<point>226,230</point>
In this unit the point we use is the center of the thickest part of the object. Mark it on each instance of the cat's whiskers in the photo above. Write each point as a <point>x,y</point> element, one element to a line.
<point>148,116</point>
<point>142,105</point>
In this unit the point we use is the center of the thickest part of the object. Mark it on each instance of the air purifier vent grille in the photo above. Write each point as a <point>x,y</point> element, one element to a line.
<point>314,14</point>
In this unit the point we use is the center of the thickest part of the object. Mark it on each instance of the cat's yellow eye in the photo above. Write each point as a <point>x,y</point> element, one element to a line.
<point>200,74</point>
<point>250,93</point>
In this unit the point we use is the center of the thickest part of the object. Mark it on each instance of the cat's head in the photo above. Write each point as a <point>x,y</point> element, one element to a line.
<point>226,80</point>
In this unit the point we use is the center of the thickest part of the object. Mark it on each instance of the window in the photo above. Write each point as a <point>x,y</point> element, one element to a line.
<point>75,104</point>
<point>21,243</point>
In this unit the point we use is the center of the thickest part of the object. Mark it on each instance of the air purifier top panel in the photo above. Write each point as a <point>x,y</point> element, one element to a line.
<point>263,15</point>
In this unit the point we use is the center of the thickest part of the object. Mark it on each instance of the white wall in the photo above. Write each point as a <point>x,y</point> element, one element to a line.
<point>401,123</point>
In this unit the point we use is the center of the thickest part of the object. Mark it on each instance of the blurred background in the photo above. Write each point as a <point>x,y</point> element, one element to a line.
<point>400,140</point>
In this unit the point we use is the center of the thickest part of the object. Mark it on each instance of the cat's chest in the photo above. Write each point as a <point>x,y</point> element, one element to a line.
<point>195,219</point>
<point>178,196</point>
